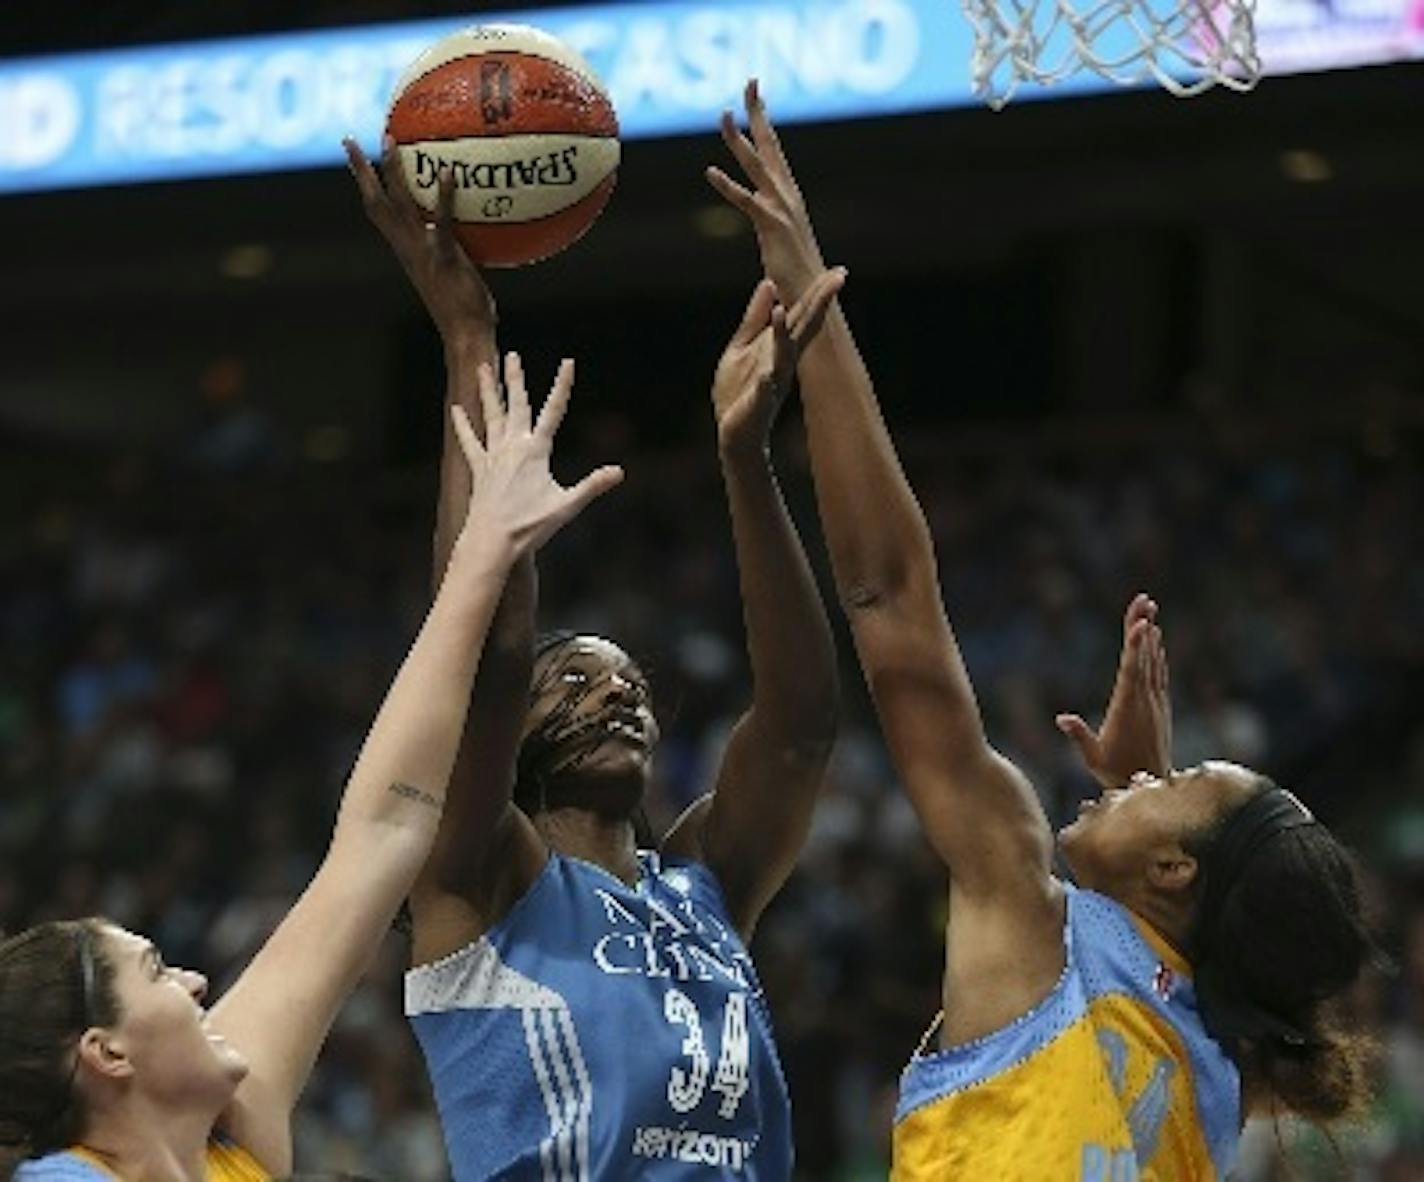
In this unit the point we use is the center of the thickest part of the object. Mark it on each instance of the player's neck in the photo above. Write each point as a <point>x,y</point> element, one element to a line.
<point>1170,916</point>
<point>605,842</point>
<point>139,1145</point>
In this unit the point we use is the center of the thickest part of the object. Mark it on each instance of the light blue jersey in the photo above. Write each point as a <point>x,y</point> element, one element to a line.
<point>602,1031</point>
<point>1110,1078</point>
<point>60,1167</point>
<point>226,1163</point>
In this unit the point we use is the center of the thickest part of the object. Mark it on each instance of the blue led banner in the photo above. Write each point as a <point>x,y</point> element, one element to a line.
<point>284,101</point>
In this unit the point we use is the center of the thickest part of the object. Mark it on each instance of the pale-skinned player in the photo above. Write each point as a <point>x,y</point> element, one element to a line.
<point>111,1064</point>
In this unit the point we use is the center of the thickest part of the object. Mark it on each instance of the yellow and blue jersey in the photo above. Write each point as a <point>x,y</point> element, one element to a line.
<point>1111,1078</point>
<point>226,1163</point>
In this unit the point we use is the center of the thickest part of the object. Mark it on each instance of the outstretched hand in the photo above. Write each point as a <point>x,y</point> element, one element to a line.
<point>514,495</point>
<point>773,204</point>
<point>450,285</point>
<point>1136,734</point>
<point>756,368</point>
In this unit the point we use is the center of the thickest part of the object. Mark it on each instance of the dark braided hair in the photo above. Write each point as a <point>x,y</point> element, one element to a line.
<point>55,983</point>
<point>530,772</point>
<point>534,780</point>
<point>533,775</point>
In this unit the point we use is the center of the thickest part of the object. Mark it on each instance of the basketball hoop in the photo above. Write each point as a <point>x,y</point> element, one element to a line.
<point>1187,46</point>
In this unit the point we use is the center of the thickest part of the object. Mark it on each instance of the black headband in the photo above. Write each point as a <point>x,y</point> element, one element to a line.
<point>1265,816</point>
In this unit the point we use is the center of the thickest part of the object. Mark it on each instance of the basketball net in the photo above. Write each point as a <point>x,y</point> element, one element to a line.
<point>1187,46</point>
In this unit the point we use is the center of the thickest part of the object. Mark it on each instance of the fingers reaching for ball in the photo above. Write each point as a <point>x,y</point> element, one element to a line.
<point>427,247</point>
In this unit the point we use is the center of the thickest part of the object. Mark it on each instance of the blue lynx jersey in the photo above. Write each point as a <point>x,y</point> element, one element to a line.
<point>1111,1078</point>
<point>603,1031</point>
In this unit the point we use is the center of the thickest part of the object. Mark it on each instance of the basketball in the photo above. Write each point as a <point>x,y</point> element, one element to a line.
<point>524,127</point>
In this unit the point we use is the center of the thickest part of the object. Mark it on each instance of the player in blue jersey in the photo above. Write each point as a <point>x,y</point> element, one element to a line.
<point>110,1067</point>
<point>1122,1028</point>
<point>587,1008</point>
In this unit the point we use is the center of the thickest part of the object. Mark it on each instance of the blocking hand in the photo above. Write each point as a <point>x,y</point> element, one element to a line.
<point>514,494</point>
<point>1136,735</point>
<point>773,204</point>
<point>755,371</point>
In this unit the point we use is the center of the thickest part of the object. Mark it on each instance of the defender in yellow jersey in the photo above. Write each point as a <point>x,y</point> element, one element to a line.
<point>1076,1041</point>
<point>1111,1077</point>
<point>110,1067</point>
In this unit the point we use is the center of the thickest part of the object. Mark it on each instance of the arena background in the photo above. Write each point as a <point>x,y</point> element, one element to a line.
<point>1123,341</point>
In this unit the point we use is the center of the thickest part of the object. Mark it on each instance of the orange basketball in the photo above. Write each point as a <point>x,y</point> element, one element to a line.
<point>525,128</point>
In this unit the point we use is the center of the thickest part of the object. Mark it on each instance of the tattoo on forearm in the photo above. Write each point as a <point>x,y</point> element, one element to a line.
<point>416,795</point>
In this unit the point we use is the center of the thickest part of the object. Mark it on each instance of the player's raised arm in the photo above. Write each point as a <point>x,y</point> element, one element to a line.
<point>483,855</point>
<point>979,813</point>
<point>281,1007</point>
<point>755,824</point>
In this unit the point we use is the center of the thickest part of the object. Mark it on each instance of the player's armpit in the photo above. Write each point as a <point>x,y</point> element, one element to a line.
<point>1003,955</point>
<point>751,830</point>
<point>446,920</point>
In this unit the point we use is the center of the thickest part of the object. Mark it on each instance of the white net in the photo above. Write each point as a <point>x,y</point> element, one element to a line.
<point>1186,45</point>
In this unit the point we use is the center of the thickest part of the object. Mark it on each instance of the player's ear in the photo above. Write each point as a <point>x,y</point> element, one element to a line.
<point>1172,870</point>
<point>105,1053</point>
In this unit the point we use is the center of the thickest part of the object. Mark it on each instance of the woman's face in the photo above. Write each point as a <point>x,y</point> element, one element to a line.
<point>162,1031</point>
<point>591,712</point>
<point>1124,833</point>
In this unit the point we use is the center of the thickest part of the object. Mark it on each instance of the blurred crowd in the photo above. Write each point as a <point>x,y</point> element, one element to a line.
<point>193,648</point>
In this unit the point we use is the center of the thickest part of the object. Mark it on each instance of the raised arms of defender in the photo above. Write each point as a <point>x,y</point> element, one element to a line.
<point>979,812</point>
